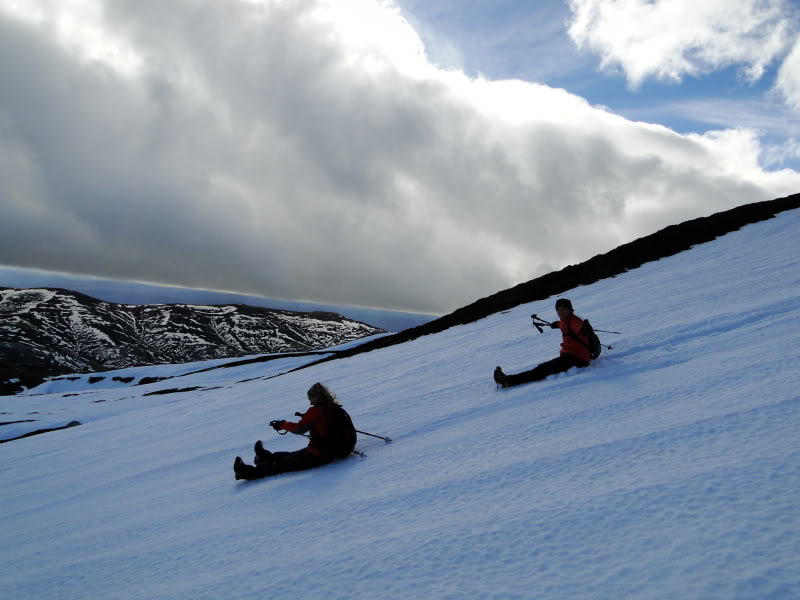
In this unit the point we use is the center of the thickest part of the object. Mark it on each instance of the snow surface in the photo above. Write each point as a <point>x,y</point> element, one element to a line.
<point>117,378</point>
<point>668,469</point>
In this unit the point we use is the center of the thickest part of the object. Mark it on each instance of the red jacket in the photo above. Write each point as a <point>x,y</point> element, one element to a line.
<point>571,346</point>
<point>315,420</point>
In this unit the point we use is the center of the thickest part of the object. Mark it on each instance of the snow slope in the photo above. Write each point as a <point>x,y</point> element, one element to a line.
<point>668,469</point>
<point>134,376</point>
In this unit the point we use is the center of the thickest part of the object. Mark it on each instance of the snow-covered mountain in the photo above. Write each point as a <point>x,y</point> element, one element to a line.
<point>50,331</point>
<point>667,469</point>
<point>131,292</point>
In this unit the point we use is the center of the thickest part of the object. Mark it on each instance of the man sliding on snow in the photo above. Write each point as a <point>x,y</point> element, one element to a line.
<point>574,350</point>
<point>332,437</point>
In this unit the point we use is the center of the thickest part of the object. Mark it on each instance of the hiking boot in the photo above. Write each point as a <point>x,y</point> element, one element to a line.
<point>262,454</point>
<point>500,378</point>
<point>238,468</point>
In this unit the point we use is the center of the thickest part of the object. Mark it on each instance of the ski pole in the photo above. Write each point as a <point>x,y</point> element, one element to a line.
<point>538,326</point>
<point>353,451</point>
<point>385,439</point>
<point>543,322</point>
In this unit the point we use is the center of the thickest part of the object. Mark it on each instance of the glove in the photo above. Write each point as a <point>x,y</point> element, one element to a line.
<point>276,425</point>
<point>554,325</point>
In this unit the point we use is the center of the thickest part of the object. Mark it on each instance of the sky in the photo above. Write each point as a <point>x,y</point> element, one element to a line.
<point>666,469</point>
<point>400,155</point>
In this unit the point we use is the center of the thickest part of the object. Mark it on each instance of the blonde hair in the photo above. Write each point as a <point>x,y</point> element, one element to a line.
<point>321,391</point>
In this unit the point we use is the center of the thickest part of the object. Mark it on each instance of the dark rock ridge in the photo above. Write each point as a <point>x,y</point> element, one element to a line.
<point>46,332</point>
<point>41,431</point>
<point>663,243</point>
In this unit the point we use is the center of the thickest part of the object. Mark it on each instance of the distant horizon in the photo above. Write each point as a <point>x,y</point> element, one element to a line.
<point>137,292</point>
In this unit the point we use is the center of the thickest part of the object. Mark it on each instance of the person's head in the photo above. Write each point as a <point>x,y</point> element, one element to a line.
<point>319,395</point>
<point>563,308</point>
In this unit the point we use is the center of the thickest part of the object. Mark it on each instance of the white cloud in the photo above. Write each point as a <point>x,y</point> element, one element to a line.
<point>669,39</point>
<point>78,27</point>
<point>294,150</point>
<point>788,80</point>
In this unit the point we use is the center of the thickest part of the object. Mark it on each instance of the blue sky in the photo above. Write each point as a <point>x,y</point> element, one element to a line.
<point>512,39</point>
<point>406,156</point>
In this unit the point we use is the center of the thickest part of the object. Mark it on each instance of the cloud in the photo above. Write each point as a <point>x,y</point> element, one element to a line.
<point>670,39</point>
<point>788,80</point>
<point>302,150</point>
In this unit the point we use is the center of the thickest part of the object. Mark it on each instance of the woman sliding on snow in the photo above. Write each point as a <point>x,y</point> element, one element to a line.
<point>332,437</point>
<point>574,350</point>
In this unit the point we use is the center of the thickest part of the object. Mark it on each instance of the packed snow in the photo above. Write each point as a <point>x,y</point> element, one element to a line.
<point>134,376</point>
<point>670,468</point>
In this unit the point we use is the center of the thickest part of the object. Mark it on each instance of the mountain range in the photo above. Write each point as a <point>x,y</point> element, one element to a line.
<point>135,292</point>
<point>46,332</point>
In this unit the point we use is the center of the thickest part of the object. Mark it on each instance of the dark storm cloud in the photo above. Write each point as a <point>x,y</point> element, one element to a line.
<point>275,148</point>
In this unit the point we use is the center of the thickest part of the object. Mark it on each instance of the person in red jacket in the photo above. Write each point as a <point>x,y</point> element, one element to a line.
<point>574,350</point>
<point>331,432</point>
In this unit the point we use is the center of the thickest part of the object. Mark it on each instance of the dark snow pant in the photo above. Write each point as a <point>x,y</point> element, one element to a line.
<point>284,462</point>
<point>558,365</point>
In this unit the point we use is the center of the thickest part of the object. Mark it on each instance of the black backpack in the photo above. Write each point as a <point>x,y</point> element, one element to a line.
<point>595,347</point>
<point>342,437</point>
